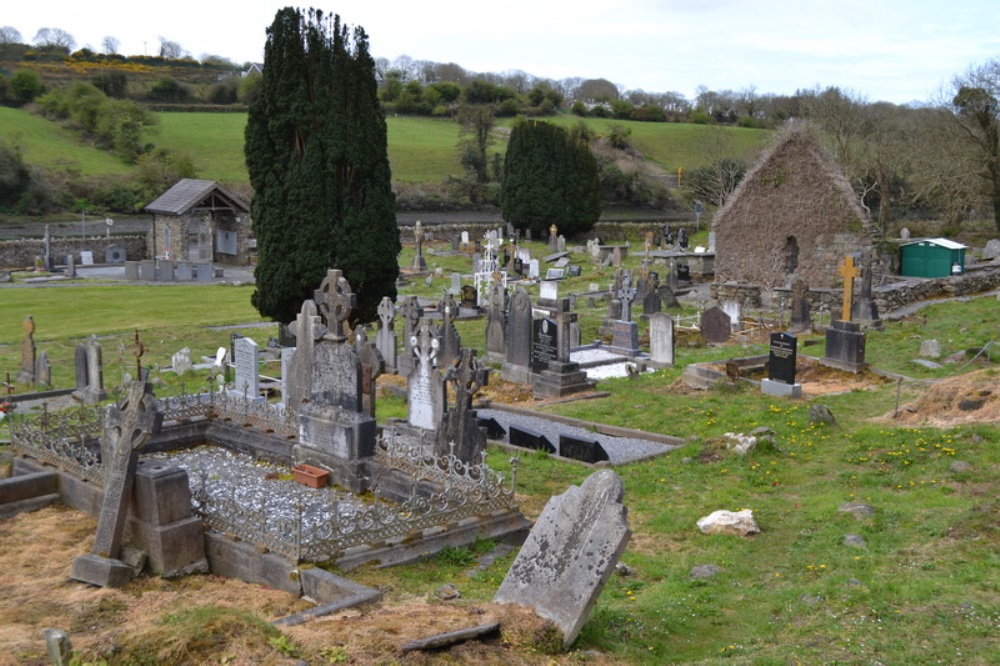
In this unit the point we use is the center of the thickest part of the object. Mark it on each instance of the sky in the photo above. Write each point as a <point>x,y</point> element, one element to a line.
<point>899,51</point>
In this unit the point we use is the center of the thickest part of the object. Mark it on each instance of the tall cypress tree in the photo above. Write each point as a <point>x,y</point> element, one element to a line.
<point>316,152</point>
<point>549,177</point>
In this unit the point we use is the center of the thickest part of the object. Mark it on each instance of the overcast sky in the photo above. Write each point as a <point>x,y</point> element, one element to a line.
<point>894,50</point>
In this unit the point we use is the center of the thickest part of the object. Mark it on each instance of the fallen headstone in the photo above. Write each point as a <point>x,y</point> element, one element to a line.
<point>530,439</point>
<point>570,553</point>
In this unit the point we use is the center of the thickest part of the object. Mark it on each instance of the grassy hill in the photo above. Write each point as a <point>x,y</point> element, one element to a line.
<point>421,150</point>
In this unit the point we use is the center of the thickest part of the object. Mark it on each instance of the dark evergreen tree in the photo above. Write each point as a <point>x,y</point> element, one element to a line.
<point>316,152</point>
<point>549,177</point>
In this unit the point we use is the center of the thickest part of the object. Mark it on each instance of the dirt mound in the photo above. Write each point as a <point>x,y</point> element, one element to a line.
<point>968,398</point>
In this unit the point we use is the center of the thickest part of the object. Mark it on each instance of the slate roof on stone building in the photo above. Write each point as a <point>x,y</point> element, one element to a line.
<point>795,189</point>
<point>190,193</point>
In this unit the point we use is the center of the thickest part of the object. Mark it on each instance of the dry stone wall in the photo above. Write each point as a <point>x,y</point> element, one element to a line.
<point>22,253</point>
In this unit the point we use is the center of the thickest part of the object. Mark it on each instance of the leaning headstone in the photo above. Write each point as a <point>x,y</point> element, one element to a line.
<point>716,326</point>
<point>780,380</point>
<point>128,426</point>
<point>661,339</point>
<point>570,553</point>
<point>425,399</point>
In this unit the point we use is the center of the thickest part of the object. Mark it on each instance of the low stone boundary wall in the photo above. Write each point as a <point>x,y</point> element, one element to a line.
<point>22,253</point>
<point>976,280</point>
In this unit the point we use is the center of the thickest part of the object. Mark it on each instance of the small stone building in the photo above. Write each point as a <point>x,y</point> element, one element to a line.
<point>199,220</point>
<point>794,214</point>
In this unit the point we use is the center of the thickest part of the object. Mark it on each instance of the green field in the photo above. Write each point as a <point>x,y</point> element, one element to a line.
<point>421,150</point>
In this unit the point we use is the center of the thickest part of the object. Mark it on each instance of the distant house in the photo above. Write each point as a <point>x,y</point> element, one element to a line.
<point>254,68</point>
<point>199,220</point>
<point>794,214</point>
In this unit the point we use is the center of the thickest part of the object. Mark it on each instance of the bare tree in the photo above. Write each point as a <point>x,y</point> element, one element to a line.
<point>110,44</point>
<point>407,67</point>
<point>977,112</point>
<point>171,50</point>
<point>54,39</point>
<point>10,42</point>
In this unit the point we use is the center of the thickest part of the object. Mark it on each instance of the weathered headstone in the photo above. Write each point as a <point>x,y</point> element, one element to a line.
<point>372,366</point>
<point>181,360</point>
<point>385,338</point>
<point>410,311</point>
<point>89,372</point>
<point>43,370</point>
<point>716,326</point>
<point>661,339</point>
<point>459,433</point>
<point>425,387</point>
<point>70,266</point>
<point>128,426</point>
<point>570,553</point>
<point>496,322</point>
<point>801,318</point>
<point>419,263</point>
<point>865,309</point>
<point>518,353</point>
<point>553,238</point>
<point>780,379</point>
<point>451,342</point>
<point>26,374</point>
<point>307,329</point>
<point>246,360</point>
<point>735,312</point>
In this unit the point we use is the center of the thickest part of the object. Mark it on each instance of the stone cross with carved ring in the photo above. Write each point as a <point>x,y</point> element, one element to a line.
<point>335,300</point>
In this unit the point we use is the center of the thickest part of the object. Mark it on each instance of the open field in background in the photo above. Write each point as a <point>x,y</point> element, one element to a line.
<point>46,144</point>
<point>421,150</point>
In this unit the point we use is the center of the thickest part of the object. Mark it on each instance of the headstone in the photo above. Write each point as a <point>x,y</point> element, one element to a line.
<point>456,242</point>
<point>425,387</point>
<point>711,241</point>
<point>716,326</point>
<point>26,374</point>
<point>456,284</point>
<point>904,234</point>
<point>570,553</point>
<point>287,353</point>
<point>419,263</point>
<point>86,258</point>
<point>470,298</point>
<point>553,238</point>
<point>385,339</point>
<point>781,367</point>
<point>651,302</point>
<point>661,339</point>
<point>246,359</point>
<point>450,341</point>
<point>616,257</point>
<point>560,243</point>
<point>682,238</point>
<point>181,361</point>
<point>626,294</point>
<point>735,313</point>
<point>544,343</point>
<point>307,329</point>
<point>801,318</point>
<point>573,270</point>
<point>518,352</point>
<point>865,310</point>
<point>128,426</point>
<point>48,261</point>
<point>496,322</point>
<point>533,269</point>
<point>70,266</point>
<point>372,366</point>
<point>43,370</point>
<point>459,434</point>
<point>845,346</point>
<point>465,238</point>
<point>410,311</point>
<point>554,274</point>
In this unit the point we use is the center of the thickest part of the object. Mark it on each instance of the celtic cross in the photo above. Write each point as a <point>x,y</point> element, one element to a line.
<point>335,301</point>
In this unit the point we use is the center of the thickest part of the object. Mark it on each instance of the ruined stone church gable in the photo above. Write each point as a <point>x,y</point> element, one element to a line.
<point>793,214</point>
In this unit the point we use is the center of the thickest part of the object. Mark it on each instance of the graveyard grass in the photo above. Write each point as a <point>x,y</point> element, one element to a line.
<point>924,590</point>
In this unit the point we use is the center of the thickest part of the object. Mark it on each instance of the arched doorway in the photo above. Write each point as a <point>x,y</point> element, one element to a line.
<point>790,255</point>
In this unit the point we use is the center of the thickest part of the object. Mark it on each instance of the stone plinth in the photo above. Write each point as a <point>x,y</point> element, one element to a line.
<point>845,346</point>
<point>337,440</point>
<point>780,389</point>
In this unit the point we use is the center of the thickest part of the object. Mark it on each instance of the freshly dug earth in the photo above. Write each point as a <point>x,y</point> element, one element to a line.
<point>970,398</point>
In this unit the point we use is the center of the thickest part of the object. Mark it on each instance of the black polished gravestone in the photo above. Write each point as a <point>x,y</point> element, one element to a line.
<point>579,448</point>
<point>493,428</point>
<point>544,343</point>
<point>526,438</point>
<point>781,367</point>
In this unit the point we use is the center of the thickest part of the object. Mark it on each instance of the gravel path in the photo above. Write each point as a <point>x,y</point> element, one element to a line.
<point>620,449</point>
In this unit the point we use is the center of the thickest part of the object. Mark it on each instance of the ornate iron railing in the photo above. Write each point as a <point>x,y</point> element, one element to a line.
<point>260,414</point>
<point>69,439</point>
<point>320,531</point>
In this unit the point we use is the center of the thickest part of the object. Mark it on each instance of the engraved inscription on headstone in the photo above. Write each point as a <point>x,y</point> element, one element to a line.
<point>781,361</point>
<point>544,343</point>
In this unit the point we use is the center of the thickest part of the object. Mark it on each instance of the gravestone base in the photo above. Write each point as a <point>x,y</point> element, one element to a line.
<point>865,312</point>
<point>338,440</point>
<point>249,398</point>
<point>560,379</point>
<point>519,374</point>
<point>845,347</point>
<point>780,389</point>
<point>101,571</point>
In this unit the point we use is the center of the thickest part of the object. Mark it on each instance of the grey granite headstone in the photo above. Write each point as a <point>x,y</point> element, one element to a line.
<point>307,328</point>
<point>801,317</point>
<point>26,374</point>
<point>496,322</point>
<point>70,266</point>
<point>451,342</point>
<point>570,553</point>
<point>735,312</point>
<point>43,370</point>
<point>410,311</point>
